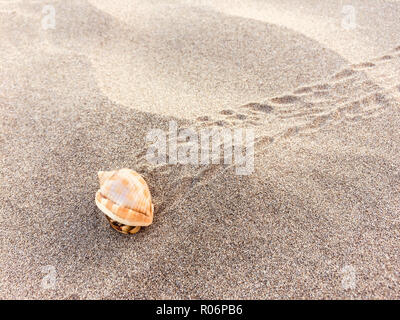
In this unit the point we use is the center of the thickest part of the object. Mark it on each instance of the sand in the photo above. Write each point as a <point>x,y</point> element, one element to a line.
<point>318,218</point>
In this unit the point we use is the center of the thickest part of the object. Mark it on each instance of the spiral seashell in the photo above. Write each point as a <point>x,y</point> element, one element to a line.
<point>124,197</point>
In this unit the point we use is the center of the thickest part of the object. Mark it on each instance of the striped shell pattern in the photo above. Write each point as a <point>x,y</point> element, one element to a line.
<point>124,197</point>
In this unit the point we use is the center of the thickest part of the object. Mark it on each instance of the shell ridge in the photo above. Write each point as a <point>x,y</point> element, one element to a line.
<point>124,196</point>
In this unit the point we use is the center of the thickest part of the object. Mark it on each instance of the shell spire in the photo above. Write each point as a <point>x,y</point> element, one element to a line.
<point>104,175</point>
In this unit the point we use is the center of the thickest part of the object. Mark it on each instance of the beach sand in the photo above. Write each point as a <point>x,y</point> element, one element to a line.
<point>319,218</point>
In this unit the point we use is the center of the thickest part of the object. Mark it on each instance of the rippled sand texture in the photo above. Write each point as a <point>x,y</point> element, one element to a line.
<point>318,218</point>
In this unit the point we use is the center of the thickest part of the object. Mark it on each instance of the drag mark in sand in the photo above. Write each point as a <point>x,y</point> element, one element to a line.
<point>346,96</point>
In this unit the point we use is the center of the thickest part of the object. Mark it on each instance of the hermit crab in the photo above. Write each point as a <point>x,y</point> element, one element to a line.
<point>124,198</point>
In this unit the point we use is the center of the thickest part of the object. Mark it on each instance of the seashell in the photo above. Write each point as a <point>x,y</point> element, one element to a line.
<point>124,197</point>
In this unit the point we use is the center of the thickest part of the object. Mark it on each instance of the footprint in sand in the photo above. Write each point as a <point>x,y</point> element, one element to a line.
<point>287,99</point>
<point>328,102</point>
<point>335,101</point>
<point>320,87</point>
<point>203,119</point>
<point>227,112</point>
<point>385,57</point>
<point>321,94</point>
<point>233,118</point>
<point>221,123</point>
<point>240,116</point>
<point>258,107</point>
<point>355,98</point>
<point>303,90</point>
<point>346,73</point>
<point>364,65</point>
